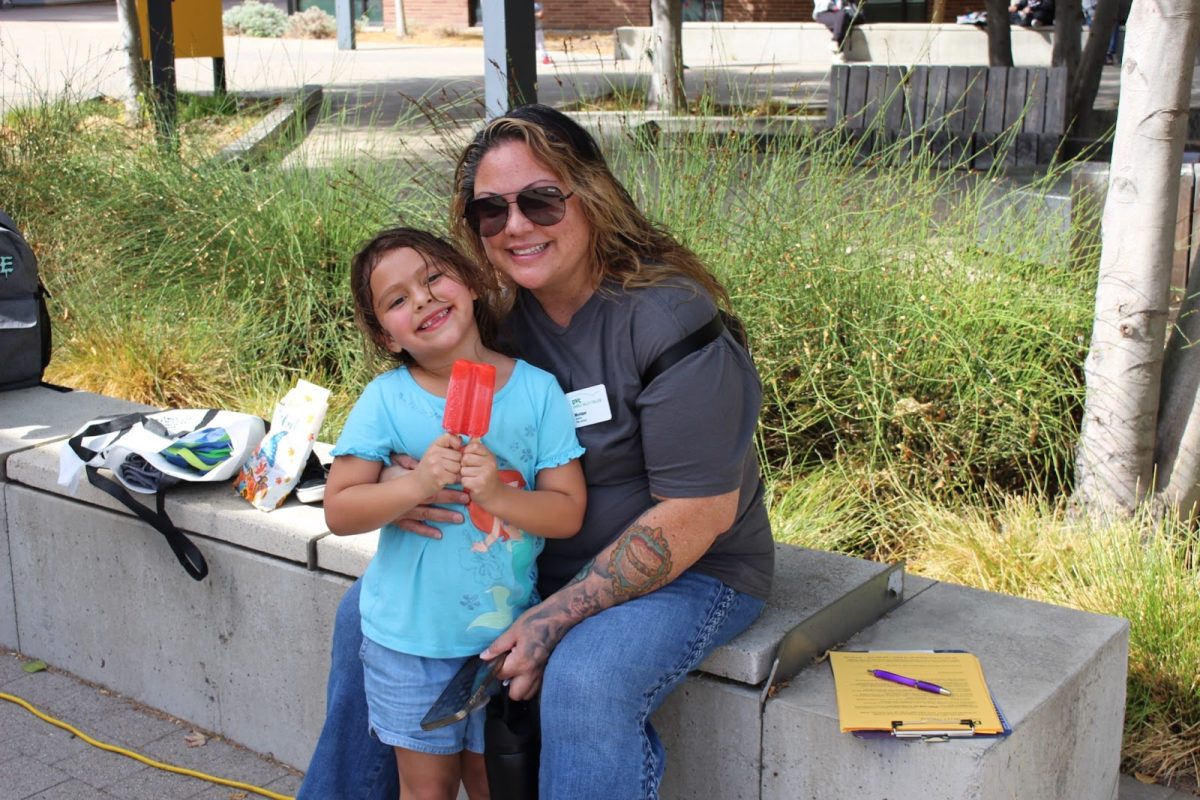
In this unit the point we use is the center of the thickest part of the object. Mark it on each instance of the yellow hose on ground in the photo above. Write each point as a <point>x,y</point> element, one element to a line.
<point>150,762</point>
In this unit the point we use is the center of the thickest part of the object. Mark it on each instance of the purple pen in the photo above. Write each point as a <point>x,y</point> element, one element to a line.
<point>924,686</point>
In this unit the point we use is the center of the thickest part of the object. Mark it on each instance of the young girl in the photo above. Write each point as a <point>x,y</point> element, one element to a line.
<point>427,603</point>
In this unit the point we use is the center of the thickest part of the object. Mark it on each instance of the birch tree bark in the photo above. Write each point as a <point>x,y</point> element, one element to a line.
<point>1177,444</point>
<point>1124,367</point>
<point>135,69</point>
<point>998,34</point>
<point>666,78</point>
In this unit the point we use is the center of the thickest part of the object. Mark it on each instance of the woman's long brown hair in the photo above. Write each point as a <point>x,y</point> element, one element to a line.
<point>625,245</point>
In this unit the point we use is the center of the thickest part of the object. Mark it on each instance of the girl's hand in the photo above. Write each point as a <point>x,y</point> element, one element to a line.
<point>442,462</point>
<point>480,475</point>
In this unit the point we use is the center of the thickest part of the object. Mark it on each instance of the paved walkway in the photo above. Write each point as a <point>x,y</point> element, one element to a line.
<point>40,760</point>
<point>74,51</point>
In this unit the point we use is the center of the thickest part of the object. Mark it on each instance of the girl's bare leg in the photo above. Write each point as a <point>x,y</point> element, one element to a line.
<point>424,776</point>
<point>474,776</point>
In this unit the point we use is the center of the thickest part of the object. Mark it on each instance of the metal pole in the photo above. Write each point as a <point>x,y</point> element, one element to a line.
<point>219,87</point>
<point>162,69</point>
<point>509,65</point>
<point>401,27</point>
<point>345,24</point>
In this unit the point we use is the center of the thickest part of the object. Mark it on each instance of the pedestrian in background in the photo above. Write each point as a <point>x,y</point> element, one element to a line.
<point>539,34</point>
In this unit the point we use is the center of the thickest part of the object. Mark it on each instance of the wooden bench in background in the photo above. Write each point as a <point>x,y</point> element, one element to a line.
<point>968,116</point>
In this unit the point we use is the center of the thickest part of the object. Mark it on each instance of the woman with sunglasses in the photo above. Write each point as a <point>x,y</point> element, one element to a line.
<point>675,555</point>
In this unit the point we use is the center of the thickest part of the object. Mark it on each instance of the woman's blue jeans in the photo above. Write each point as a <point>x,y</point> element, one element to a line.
<point>603,682</point>
<point>349,763</point>
<point>612,671</point>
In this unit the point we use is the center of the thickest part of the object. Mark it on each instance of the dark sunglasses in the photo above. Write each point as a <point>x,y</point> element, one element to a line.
<point>543,205</point>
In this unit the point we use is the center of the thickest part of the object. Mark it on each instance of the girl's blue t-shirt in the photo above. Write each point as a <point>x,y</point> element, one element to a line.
<point>450,597</point>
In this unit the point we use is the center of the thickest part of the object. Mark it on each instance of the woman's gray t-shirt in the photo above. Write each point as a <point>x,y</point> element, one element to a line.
<point>689,433</point>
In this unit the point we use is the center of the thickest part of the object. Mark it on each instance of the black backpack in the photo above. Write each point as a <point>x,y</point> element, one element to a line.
<point>24,319</point>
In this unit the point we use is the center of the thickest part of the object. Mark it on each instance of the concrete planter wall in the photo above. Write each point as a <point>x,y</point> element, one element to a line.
<point>89,588</point>
<point>880,42</point>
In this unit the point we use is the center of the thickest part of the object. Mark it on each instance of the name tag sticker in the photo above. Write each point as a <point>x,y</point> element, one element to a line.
<point>590,405</point>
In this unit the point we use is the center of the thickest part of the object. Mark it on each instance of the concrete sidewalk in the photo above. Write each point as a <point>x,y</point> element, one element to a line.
<point>40,760</point>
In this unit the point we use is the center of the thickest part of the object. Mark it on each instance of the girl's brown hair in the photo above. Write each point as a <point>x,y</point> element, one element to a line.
<point>625,245</point>
<point>437,253</point>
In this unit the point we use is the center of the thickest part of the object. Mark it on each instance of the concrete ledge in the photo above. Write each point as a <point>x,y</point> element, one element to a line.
<point>1058,674</point>
<point>213,511</point>
<point>32,417</point>
<point>881,42</point>
<point>287,118</point>
<point>245,652</point>
<point>8,597</point>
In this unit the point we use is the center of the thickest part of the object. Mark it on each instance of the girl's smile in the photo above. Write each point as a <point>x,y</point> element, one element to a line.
<point>422,308</point>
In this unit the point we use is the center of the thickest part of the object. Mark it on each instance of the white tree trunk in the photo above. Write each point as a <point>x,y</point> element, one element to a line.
<point>1123,370</point>
<point>1177,446</point>
<point>666,77</point>
<point>135,71</point>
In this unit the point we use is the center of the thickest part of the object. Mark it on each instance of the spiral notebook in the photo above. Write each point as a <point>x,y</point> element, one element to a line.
<point>869,707</point>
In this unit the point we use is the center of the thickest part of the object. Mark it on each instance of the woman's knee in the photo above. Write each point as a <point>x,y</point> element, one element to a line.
<point>587,678</point>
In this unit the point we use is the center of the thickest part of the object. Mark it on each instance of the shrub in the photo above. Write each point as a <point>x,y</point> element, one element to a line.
<point>311,23</point>
<point>253,18</point>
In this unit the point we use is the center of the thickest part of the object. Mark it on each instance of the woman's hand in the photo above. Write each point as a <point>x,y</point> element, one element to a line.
<point>528,643</point>
<point>417,520</point>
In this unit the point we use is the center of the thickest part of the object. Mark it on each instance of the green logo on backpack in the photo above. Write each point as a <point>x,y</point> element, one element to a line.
<point>6,265</point>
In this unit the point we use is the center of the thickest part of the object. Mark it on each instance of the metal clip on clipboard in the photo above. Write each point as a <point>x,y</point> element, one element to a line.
<point>898,729</point>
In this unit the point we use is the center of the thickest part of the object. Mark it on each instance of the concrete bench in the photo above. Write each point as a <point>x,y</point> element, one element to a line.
<point>968,116</point>
<point>750,43</point>
<point>245,652</point>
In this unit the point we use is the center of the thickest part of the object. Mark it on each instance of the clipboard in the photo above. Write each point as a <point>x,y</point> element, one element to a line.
<point>872,708</point>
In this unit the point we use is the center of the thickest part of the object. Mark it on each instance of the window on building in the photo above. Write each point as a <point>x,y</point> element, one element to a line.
<point>371,9</point>
<point>703,10</point>
<point>897,11</point>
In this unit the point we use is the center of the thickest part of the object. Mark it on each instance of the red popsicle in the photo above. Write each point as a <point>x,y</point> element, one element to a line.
<point>469,398</point>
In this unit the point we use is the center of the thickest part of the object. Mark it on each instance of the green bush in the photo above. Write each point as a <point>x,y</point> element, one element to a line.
<point>311,23</point>
<point>253,18</point>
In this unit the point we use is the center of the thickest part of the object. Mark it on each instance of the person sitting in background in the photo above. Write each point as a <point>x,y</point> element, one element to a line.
<point>838,16</point>
<point>1031,13</point>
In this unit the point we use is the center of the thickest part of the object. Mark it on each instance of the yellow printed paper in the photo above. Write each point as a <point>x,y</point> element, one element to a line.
<point>868,703</point>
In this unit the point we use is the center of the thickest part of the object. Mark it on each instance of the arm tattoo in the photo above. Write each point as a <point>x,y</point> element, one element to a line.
<point>640,563</point>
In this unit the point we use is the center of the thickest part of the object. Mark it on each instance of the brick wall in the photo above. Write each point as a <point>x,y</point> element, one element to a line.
<point>573,15</point>
<point>427,14</point>
<point>768,10</point>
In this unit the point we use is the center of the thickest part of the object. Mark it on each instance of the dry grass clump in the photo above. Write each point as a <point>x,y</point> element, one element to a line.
<point>1143,570</point>
<point>151,365</point>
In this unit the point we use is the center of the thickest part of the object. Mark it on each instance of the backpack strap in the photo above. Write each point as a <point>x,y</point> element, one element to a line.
<point>185,550</point>
<point>704,335</point>
<point>188,554</point>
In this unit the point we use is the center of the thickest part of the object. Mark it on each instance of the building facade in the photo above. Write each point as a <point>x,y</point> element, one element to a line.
<point>604,15</point>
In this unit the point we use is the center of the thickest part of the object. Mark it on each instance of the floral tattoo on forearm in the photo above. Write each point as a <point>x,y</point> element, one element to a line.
<point>640,562</point>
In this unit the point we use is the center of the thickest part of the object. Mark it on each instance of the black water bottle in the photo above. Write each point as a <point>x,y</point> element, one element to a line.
<point>512,746</point>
